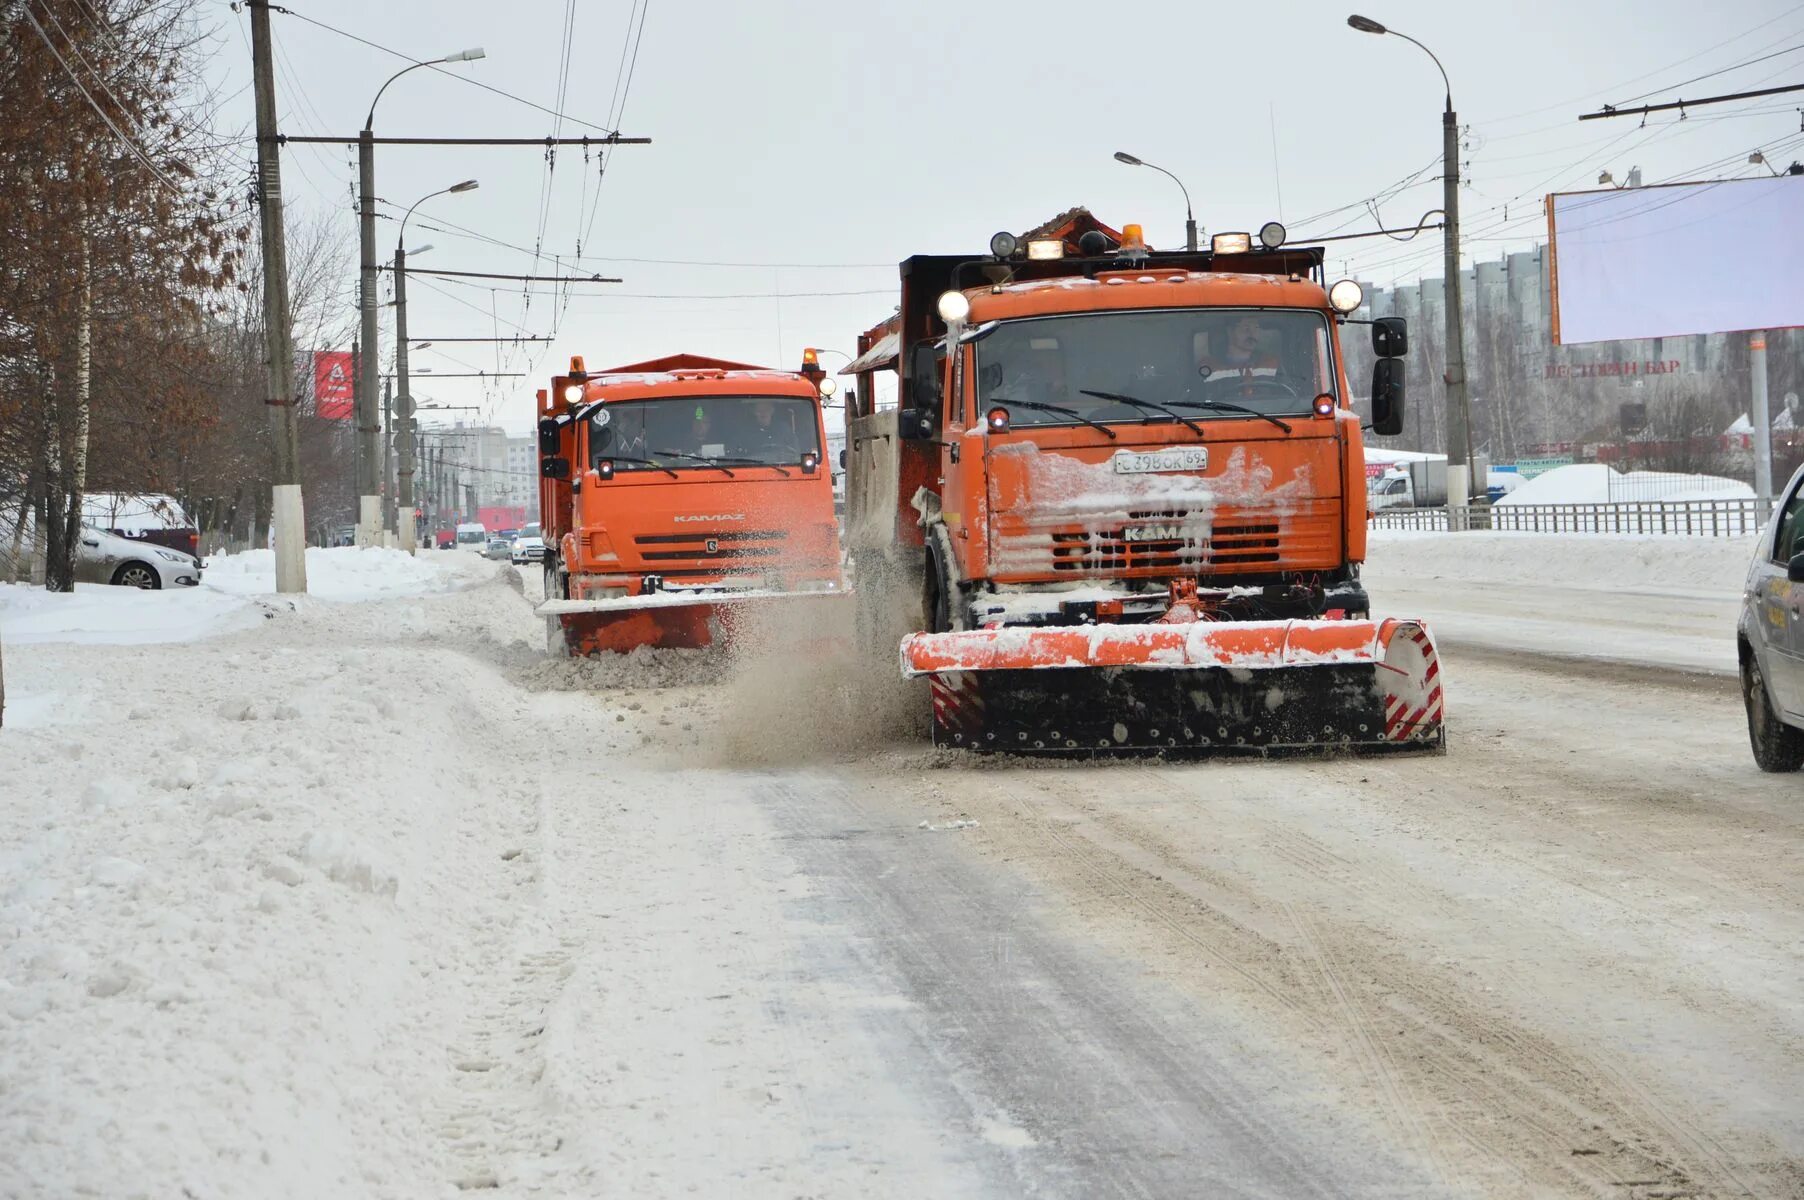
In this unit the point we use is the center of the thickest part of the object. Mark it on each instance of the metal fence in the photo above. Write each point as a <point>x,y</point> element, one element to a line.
<point>1680,518</point>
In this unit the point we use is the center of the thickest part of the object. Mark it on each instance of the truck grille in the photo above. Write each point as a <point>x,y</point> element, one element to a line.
<point>726,545</point>
<point>1306,537</point>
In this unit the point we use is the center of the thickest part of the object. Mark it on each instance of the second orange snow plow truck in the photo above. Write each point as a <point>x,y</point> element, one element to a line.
<point>1128,490</point>
<point>679,497</point>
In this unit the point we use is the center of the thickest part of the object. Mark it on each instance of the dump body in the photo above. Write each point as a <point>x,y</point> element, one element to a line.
<point>677,493</point>
<point>1129,492</point>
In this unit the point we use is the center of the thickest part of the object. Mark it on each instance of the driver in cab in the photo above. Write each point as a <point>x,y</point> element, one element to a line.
<point>1245,349</point>
<point>770,437</point>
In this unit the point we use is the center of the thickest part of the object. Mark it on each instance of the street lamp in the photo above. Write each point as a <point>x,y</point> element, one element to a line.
<point>1122,156</point>
<point>404,403</point>
<point>369,524</point>
<point>1459,413</point>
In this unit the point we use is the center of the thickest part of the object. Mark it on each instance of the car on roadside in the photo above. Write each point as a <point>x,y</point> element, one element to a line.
<point>529,547</point>
<point>1770,636</point>
<point>498,547</point>
<point>102,557</point>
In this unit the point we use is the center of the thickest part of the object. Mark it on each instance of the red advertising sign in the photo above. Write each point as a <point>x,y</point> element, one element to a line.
<point>332,398</point>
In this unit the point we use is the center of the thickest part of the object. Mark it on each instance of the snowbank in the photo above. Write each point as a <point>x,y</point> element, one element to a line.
<point>96,614</point>
<point>1592,561</point>
<point>353,573</point>
<point>227,600</point>
<point>1598,483</point>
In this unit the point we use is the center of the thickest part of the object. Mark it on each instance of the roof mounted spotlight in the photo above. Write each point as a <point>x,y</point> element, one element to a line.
<point>1346,296</point>
<point>1004,244</point>
<point>1271,235</point>
<point>954,307</point>
<point>1092,243</point>
<point>1231,243</point>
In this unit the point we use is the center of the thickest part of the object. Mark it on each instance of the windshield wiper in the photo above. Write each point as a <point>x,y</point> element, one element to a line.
<point>648,462</point>
<point>1145,406</point>
<point>706,462</point>
<point>1054,408</point>
<point>1224,406</point>
<point>753,462</point>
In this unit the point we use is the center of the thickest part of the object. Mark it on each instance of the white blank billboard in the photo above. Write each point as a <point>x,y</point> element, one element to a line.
<point>1677,259</point>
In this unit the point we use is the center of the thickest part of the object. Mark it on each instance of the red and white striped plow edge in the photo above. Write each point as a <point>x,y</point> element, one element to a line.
<point>1410,674</point>
<point>957,702</point>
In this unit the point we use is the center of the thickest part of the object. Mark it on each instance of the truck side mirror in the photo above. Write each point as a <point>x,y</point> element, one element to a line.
<point>1390,337</point>
<point>1387,397</point>
<point>842,460</point>
<point>1794,570</point>
<point>922,418</point>
<point>548,436</point>
<point>555,467</point>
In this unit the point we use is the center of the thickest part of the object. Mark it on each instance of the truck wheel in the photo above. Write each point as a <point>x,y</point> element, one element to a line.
<point>1777,746</point>
<point>138,575</point>
<point>947,607</point>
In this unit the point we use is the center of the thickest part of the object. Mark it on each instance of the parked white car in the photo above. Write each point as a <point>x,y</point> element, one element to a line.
<point>103,557</point>
<point>1771,637</point>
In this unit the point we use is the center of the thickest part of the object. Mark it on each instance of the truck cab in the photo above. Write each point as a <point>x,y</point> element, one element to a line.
<point>672,487</point>
<point>1089,428</point>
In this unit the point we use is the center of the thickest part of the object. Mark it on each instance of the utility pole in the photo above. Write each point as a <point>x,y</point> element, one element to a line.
<point>388,456</point>
<point>369,457</point>
<point>403,407</point>
<point>288,515</point>
<point>1459,413</point>
<point>1763,425</point>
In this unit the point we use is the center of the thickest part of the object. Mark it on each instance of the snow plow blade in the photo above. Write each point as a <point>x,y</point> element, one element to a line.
<point>1202,685</point>
<point>809,621</point>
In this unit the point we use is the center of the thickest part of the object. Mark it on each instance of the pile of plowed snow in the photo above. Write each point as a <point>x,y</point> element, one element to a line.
<point>1599,483</point>
<point>353,573</point>
<point>1576,560</point>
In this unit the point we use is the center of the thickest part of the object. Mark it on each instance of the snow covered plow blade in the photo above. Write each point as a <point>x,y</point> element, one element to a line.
<point>1198,685</point>
<point>804,621</point>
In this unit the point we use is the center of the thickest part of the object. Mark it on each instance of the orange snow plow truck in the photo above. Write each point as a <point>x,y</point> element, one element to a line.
<point>680,497</point>
<point>1119,500</point>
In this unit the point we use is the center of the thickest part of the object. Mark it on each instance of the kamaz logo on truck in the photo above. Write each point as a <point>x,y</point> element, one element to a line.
<point>712,517</point>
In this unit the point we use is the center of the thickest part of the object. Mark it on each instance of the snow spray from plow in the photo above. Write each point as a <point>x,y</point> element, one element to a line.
<point>1253,685</point>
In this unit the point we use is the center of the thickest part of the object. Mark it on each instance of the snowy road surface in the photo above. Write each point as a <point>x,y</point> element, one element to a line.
<point>374,899</point>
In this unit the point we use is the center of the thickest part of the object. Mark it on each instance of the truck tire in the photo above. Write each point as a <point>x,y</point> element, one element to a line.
<point>1777,746</point>
<point>948,608</point>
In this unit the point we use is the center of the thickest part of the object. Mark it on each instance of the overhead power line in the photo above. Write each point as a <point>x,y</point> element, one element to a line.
<point>515,278</point>
<point>612,139</point>
<point>289,12</point>
<point>1608,111</point>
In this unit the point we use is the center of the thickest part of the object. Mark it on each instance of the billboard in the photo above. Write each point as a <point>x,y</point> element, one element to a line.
<point>1676,259</point>
<point>332,395</point>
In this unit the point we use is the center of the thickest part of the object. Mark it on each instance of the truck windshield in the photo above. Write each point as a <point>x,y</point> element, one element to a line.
<point>1204,363</point>
<point>693,432</point>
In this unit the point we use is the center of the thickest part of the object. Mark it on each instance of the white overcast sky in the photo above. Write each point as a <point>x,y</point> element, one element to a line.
<point>806,146</point>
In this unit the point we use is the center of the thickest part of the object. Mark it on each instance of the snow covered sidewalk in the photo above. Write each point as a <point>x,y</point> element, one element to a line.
<point>1656,601</point>
<point>236,592</point>
<point>317,909</point>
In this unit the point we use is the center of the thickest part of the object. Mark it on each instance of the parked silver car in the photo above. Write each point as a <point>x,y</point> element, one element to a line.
<point>103,557</point>
<point>1771,636</point>
<point>498,547</point>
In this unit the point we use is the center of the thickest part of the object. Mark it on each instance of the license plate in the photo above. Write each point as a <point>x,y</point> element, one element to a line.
<point>1178,458</point>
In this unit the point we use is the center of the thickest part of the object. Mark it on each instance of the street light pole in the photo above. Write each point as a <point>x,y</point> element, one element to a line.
<point>1122,156</point>
<point>1459,412</point>
<point>369,426</point>
<point>404,405</point>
